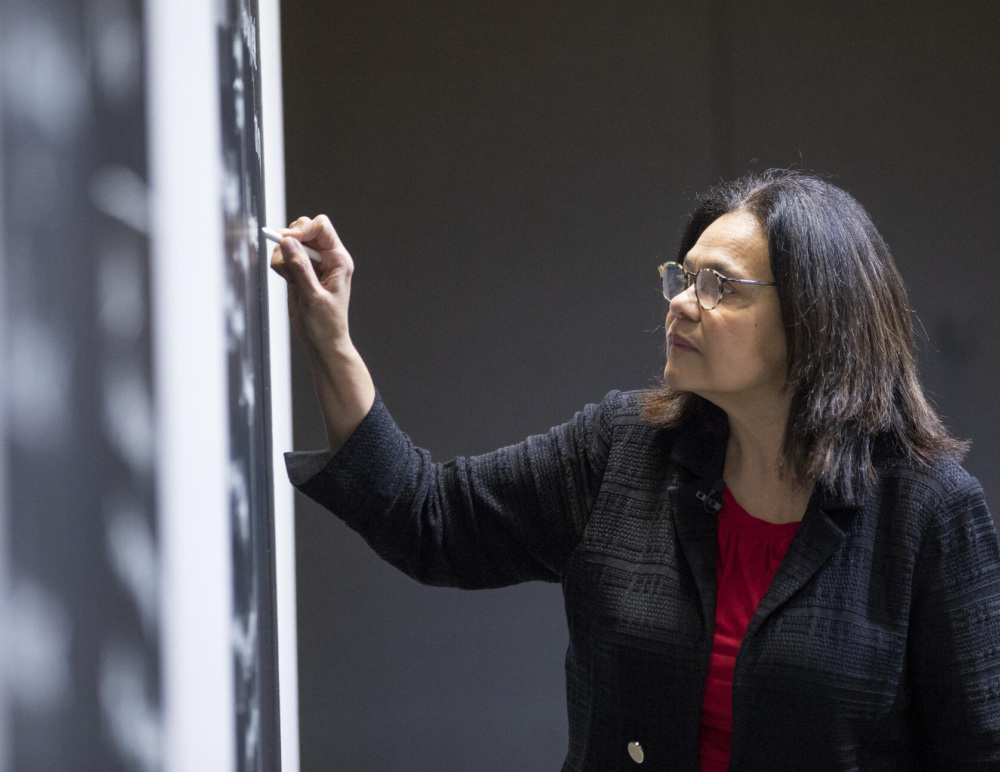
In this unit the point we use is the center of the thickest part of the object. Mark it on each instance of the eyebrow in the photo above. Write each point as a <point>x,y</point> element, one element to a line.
<point>723,267</point>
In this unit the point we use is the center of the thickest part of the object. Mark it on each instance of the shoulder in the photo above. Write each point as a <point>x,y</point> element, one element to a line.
<point>636,447</point>
<point>622,403</point>
<point>607,429</point>
<point>617,408</point>
<point>619,415</point>
<point>940,485</point>
<point>936,504</point>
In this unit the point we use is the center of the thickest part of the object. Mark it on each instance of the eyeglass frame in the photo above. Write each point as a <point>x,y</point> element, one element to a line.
<point>692,278</point>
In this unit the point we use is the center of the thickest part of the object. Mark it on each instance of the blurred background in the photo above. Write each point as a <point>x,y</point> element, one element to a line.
<point>507,177</point>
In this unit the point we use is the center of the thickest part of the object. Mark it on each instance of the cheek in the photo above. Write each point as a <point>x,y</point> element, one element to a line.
<point>757,342</point>
<point>773,349</point>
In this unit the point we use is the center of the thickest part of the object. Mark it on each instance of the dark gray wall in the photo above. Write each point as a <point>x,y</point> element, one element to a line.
<point>507,177</point>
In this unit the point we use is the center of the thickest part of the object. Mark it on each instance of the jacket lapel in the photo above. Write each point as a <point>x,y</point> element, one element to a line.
<point>695,514</point>
<point>818,536</point>
<point>697,533</point>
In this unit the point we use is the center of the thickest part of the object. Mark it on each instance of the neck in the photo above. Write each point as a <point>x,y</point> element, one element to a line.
<point>755,442</point>
<point>753,465</point>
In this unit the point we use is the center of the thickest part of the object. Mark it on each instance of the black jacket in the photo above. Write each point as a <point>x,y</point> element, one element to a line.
<point>876,647</point>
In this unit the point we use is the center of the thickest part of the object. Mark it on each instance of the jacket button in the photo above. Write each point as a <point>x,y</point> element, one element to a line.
<point>635,751</point>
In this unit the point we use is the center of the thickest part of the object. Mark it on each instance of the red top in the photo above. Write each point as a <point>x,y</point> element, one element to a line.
<point>750,551</point>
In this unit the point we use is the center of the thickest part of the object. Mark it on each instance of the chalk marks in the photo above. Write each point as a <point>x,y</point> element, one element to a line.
<point>132,554</point>
<point>251,516</point>
<point>129,710</point>
<point>121,302</point>
<point>37,382</point>
<point>257,140</point>
<point>128,414</point>
<point>37,634</point>
<point>239,96</point>
<point>119,192</point>
<point>81,568</point>
<point>117,51</point>
<point>43,80</point>
<point>239,502</point>
<point>236,320</point>
<point>248,28</point>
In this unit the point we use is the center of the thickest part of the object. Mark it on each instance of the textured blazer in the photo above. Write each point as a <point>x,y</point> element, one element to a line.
<point>876,647</point>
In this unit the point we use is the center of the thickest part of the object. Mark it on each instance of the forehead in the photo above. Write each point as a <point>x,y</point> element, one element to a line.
<point>734,245</point>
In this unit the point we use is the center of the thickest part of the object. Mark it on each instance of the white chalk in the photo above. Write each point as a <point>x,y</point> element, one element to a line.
<point>273,235</point>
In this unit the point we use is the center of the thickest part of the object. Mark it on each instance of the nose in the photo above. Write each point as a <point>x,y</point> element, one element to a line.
<point>685,304</point>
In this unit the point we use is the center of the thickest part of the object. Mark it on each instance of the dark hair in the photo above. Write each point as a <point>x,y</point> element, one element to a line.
<point>851,375</point>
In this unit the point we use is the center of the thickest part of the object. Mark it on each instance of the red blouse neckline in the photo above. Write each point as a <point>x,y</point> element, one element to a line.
<point>734,516</point>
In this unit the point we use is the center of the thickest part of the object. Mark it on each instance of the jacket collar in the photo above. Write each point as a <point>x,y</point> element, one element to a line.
<point>700,447</point>
<point>700,443</point>
<point>702,450</point>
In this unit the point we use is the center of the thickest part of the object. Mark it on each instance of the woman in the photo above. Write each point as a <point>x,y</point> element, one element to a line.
<point>771,562</point>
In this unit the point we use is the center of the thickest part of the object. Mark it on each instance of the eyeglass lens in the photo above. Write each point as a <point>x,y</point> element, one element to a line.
<point>707,285</point>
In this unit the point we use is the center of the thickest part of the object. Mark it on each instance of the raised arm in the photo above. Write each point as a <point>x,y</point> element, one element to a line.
<point>318,300</point>
<point>513,515</point>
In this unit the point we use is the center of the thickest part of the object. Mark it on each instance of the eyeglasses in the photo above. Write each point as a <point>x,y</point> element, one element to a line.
<point>709,285</point>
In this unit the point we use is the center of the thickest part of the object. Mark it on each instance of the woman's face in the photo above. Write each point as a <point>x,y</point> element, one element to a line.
<point>733,355</point>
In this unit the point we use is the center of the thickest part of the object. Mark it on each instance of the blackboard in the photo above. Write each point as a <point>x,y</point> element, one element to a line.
<point>81,622</point>
<point>250,474</point>
<point>81,560</point>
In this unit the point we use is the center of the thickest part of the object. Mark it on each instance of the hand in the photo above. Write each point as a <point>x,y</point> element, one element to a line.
<point>318,297</point>
<point>318,294</point>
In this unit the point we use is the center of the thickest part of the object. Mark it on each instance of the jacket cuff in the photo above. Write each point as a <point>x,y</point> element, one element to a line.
<point>376,441</point>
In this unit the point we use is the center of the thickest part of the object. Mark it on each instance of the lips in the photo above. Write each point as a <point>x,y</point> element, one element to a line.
<point>680,343</point>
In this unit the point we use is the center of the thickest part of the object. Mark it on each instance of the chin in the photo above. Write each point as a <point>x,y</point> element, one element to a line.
<point>673,379</point>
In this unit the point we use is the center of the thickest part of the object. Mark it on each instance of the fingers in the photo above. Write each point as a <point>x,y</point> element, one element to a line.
<point>318,293</point>
<point>278,262</point>
<point>334,269</point>
<point>317,232</point>
<point>290,261</point>
<point>300,267</point>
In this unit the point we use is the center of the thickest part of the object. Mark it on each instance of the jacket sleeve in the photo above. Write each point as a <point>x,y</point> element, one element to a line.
<point>509,516</point>
<point>955,636</point>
